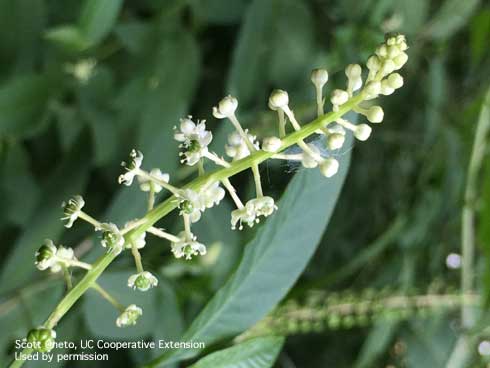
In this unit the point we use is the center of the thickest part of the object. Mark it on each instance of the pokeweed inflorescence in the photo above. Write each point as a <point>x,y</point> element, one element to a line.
<point>245,152</point>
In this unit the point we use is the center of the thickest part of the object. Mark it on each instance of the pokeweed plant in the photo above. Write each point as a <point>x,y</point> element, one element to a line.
<point>209,188</point>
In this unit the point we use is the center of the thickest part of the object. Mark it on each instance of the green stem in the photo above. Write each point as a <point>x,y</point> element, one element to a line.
<point>170,204</point>
<point>103,293</point>
<point>66,274</point>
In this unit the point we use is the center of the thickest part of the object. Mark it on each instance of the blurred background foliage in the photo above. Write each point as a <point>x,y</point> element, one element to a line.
<point>83,82</point>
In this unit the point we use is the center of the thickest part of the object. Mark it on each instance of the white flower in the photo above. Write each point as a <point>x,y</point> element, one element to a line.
<point>187,246</point>
<point>132,168</point>
<point>129,316</point>
<point>213,194</point>
<point>142,281</point>
<point>192,204</point>
<point>254,208</point>
<point>157,174</point>
<point>72,209</point>
<point>63,257</point>
<point>112,239</point>
<point>278,99</point>
<point>46,255</point>
<point>226,107</point>
<point>329,167</point>
<point>263,206</point>
<point>237,147</point>
<point>309,161</point>
<point>195,139</point>
<point>271,144</point>
<point>244,215</point>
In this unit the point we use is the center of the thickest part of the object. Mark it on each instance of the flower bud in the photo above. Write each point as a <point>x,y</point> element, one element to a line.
<point>385,88</point>
<point>271,144</point>
<point>335,141</point>
<point>373,89</point>
<point>400,60</point>
<point>329,167</point>
<point>319,77</point>
<point>375,114</point>
<point>362,132</point>
<point>353,71</point>
<point>373,63</point>
<point>339,97</point>
<point>388,67</point>
<point>42,339</point>
<point>382,51</point>
<point>278,99</point>
<point>395,80</point>
<point>226,107</point>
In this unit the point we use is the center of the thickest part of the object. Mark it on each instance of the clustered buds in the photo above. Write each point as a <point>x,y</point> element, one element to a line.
<point>41,339</point>
<point>193,200</point>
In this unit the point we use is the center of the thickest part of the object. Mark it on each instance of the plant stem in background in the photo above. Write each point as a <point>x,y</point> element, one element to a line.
<point>462,350</point>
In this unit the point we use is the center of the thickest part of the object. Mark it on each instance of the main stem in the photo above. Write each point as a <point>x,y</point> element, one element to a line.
<point>170,204</point>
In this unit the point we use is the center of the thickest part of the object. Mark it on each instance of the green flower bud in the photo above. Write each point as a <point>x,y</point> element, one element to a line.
<point>42,339</point>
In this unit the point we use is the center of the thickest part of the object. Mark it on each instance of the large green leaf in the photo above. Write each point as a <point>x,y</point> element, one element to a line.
<point>19,188</point>
<point>272,261</point>
<point>22,22</point>
<point>270,48</point>
<point>96,20</point>
<point>256,353</point>
<point>68,179</point>
<point>23,102</point>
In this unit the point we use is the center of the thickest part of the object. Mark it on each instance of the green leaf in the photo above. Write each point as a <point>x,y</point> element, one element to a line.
<point>256,353</point>
<point>479,34</point>
<point>270,48</point>
<point>68,37</point>
<point>450,18</point>
<point>23,103</point>
<point>98,18</point>
<point>20,191</point>
<point>68,179</point>
<point>272,261</point>
<point>22,22</point>
<point>220,11</point>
